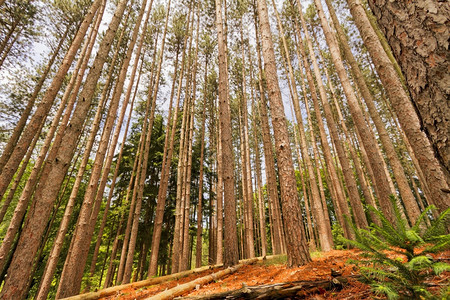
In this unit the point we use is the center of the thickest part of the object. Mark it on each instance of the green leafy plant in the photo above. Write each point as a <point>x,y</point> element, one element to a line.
<point>338,234</point>
<point>398,261</point>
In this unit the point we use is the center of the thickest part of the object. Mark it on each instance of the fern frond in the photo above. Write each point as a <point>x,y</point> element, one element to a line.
<point>385,290</point>
<point>440,267</point>
<point>422,216</point>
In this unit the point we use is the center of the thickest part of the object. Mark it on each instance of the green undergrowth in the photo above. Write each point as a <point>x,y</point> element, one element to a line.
<point>277,260</point>
<point>397,260</point>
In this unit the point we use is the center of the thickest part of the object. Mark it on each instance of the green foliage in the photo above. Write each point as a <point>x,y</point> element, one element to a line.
<point>338,237</point>
<point>392,276</point>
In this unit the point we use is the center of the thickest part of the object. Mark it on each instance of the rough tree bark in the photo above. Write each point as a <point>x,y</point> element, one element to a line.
<point>296,246</point>
<point>231,256</point>
<point>418,34</point>
<point>436,181</point>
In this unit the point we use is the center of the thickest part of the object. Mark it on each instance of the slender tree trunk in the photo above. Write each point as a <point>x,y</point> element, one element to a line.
<point>62,150</point>
<point>219,200</point>
<point>29,188</point>
<point>156,238</point>
<point>326,240</point>
<point>18,129</point>
<point>199,243</point>
<point>381,183</point>
<point>185,259</point>
<point>247,167</point>
<point>403,185</point>
<point>143,174</point>
<point>114,179</point>
<point>296,246</point>
<point>231,256</point>
<point>351,183</point>
<point>8,48</point>
<point>18,178</point>
<point>278,237</point>
<point>10,168</point>
<point>259,186</point>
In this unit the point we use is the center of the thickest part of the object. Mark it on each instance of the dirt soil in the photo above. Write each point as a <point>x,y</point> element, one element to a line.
<point>266,272</point>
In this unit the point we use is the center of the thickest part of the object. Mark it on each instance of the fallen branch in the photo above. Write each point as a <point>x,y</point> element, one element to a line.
<point>138,284</point>
<point>182,288</point>
<point>299,289</point>
<point>148,282</point>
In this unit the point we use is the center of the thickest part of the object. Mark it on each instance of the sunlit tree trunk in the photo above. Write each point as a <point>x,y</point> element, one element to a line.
<point>10,168</point>
<point>29,188</point>
<point>296,246</point>
<point>72,274</point>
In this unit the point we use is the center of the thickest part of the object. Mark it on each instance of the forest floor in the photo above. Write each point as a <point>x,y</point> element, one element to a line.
<point>269,272</point>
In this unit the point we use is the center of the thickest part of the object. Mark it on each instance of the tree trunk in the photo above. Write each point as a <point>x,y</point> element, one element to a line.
<point>29,188</point>
<point>403,185</point>
<point>199,243</point>
<point>20,125</point>
<point>297,249</point>
<point>436,181</point>
<point>350,180</point>
<point>381,183</point>
<point>165,172</point>
<point>418,36</point>
<point>277,230</point>
<point>231,256</point>
<point>46,103</point>
<point>326,240</point>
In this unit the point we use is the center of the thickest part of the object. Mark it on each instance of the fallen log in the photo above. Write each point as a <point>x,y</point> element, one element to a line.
<point>138,284</point>
<point>182,288</point>
<point>297,289</point>
<point>148,282</point>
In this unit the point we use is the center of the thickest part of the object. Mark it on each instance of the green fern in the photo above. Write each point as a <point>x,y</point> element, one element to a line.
<point>392,277</point>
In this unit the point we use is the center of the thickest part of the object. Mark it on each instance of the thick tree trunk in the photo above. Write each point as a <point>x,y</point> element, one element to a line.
<point>296,246</point>
<point>72,274</point>
<point>29,188</point>
<point>397,168</point>
<point>418,35</point>
<point>434,176</point>
<point>326,240</point>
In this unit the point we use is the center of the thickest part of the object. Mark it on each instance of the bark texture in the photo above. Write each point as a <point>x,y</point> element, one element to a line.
<point>297,249</point>
<point>418,33</point>
<point>435,180</point>
<point>231,255</point>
